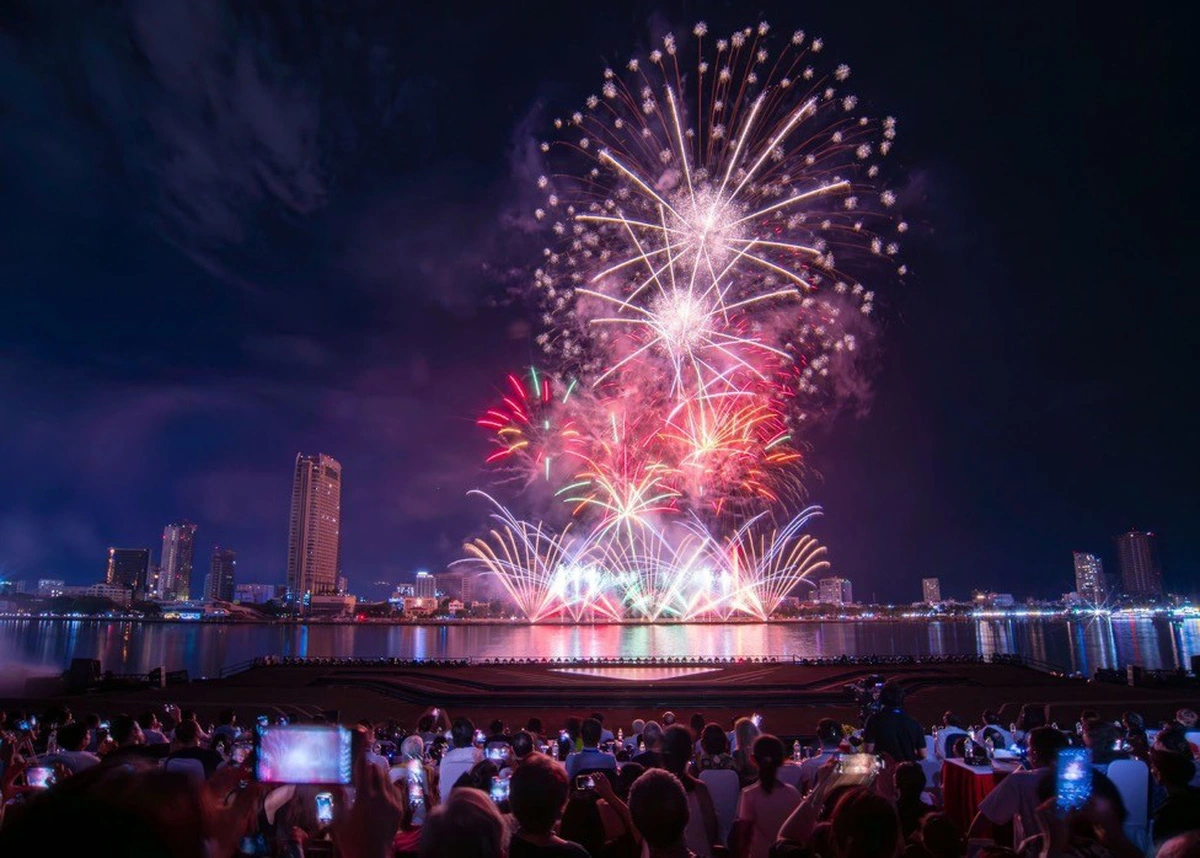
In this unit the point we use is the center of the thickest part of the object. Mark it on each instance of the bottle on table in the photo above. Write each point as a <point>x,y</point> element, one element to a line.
<point>796,751</point>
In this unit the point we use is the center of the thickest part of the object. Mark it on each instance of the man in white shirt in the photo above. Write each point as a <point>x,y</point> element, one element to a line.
<point>72,739</point>
<point>152,729</point>
<point>635,733</point>
<point>829,736</point>
<point>590,757</point>
<point>1015,799</point>
<point>459,759</point>
<point>951,731</point>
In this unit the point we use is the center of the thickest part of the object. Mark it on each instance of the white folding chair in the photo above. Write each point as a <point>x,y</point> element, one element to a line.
<point>790,775</point>
<point>725,788</point>
<point>1132,779</point>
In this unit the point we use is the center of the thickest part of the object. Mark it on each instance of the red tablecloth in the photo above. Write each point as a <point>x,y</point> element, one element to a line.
<point>964,787</point>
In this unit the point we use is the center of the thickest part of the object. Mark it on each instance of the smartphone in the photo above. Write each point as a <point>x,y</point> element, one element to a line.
<point>25,727</point>
<point>1074,783</point>
<point>303,754</point>
<point>325,808</point>
<point>585,783</point>
<point>756,719</point>
<point>435,712</point>
<point>263,720</point>
<point>499,790</point>
<point>498,753</point>
<point>479,737</point>
<point>104,725</point>
<point>857,764</point>
<point>39,777</point>
<point>416,794</point>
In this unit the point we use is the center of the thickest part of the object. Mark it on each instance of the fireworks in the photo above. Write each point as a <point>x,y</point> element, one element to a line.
<point>702,297</point>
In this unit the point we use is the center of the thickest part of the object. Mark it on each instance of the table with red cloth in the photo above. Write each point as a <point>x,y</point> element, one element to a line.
<point>964,787</point>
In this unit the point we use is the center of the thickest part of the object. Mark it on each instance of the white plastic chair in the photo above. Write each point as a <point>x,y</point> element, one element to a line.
<point>725,788</point>
<point>194,769</point>
<point>1193,737</point>
<point>1132,779</point>
<point>790,775</point>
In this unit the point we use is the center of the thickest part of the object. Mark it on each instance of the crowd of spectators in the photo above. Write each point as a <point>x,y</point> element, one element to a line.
<point>164,784</point>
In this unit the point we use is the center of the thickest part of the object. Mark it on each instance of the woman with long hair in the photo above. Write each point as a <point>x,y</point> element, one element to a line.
<point>763,806</point>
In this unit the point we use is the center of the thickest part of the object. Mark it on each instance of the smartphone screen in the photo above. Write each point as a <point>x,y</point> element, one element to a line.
<point>857,764</point>
<point>497,752</point>
<point>39,777</point>
<point>499,790</point>
<point>324,808</point>
<point>1074,784</point>
<point>585,783</point>
<point>304,754</point>
<point>416,795</point>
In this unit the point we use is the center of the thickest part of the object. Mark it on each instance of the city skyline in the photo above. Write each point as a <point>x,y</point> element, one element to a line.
<point>362,240</point>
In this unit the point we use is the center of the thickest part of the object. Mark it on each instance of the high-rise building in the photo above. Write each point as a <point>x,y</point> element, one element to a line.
<point>128,567</point>
<point>1137,555</point>
<point>1090,583</point>
<point>219,584</point>
<point>178,550</point>
<point>314,539</point>
<point>425,586</point>
<point>931,590</point>
<point>834,591</point>
<point>256,594</point>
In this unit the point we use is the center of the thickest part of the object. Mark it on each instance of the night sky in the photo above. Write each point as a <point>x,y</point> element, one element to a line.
<point>227,238</point>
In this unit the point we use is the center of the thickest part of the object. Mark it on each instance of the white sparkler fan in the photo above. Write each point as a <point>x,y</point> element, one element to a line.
<point>724,787</point>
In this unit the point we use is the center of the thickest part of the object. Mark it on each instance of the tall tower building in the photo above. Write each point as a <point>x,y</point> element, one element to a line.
<point>425,586</point>
<point>931,590</point>
<point>220,583</point>
<point>1090,583</point>
<point>835,591</point>
<point>178,549</point>
<point>128,567</point>
<point>314,541</point>
<point>1137,555</point>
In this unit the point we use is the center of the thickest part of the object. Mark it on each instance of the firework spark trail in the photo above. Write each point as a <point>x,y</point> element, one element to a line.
<point>711,218</point>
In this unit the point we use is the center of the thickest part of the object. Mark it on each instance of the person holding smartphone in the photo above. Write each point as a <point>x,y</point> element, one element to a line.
<point>537,795</point>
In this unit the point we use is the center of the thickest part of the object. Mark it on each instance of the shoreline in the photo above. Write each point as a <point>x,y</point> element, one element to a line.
<point>1053,616</point>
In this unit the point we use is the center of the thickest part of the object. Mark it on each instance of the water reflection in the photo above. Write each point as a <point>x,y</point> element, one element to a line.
<point>49,646</point>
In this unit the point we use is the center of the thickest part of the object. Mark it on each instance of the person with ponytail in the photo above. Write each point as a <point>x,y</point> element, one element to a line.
<point>765,805</point>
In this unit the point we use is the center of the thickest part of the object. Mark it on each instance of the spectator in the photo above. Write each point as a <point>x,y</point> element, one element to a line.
<point>627,775</point>
<point>829,739</point>
<point>1136,740</point>
<point>948,737</point>
<point>227,730</point>
<point>1096,829</point>
<point>745,733</point>
<point>764,806</point>
<point>668,719</point>
<point>652,736</point>
<point>1186,719</point>
<point>993,731</point>
<point>893,731</point>
<point>939,838</point>
<point>1102,739</point>
<point>151,729</point>
<point>911,807</point>
<point>865,825</point>
<point>72,739</point>
<point>635,735</point>
<point>466,825</point>
<point>659,807</point>
<point>1180,811</point>
<point>1183,846</point>
<point>497,733</point>
<point>697,727</point>
<point>127,734</point>
<point>1016,798</point>
<point>523,744</point>
<point>187,747</point>
<point>461,758</point>
<point>606,735</point>
<point>1031,716</point>
<point>590,757</point>
<point>534,727</point>
<point>366,731</point>
<point>714,749</point>
<point>537,796</point>
<point>1173,739</point>
<point>701,832</point>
